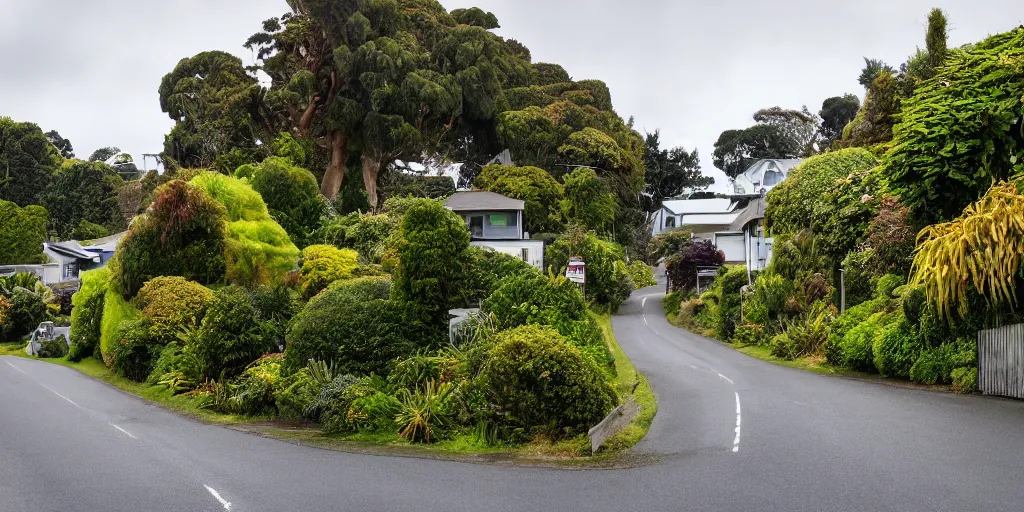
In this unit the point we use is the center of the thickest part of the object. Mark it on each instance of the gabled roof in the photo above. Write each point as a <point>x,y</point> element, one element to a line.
<point>689,206</point>
<point>70,249</point>
<point>479,200</point>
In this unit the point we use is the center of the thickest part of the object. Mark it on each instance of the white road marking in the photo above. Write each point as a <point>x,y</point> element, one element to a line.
<point>16,368</point>
<point>643,303</point>
<point>129,434</point>
<point>72,402</point>
<point>736,442</point>
<point>215,494</point>
<point>726,378</point>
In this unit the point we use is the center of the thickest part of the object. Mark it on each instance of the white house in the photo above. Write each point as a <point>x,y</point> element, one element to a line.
<point>496,222</point>
<point>735,224</point>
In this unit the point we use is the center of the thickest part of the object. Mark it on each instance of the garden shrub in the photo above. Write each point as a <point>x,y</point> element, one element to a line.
<point>292,197</point>
<point>768,300</point>
<point>668,243</point>
<point>965,380</point>
<point>807,334</point>
<point>275,306</point>
<point>360,289</point>
<point>896,349</point>
<point>812,187</point>
<point>541,383</point>
<point>689,311</point>
<point>891,238</point>
<point>323,265</point>
<point>5,317</point>
<point>608,282</point>
<point>253,392</point>
<point>729,282</point>
<point>534,299</point>
<point>430,279</point>
<point>22,233</point>
<point>671,302</point>
<point>425,414</point>
<point>116,311</point>
<point>53,349</point>
<point>28,309</point>
<point>356,336</point>
<point>181,235</point>
<point>914,304</point>
<point>859,279</point>
<point>682,266</point>
<point>132,353</point>
<point>230,335</point>
<point>257,249</point>
<point>641,274</point>
<point>172,302</point>
<point>485,269</point>
<point>934,365</point>
<point>749,334</point>
<point>857,345</point>
<point>87,313</point>
<point>295,393</point>
<point>333,408</point>
<point>888,284</point>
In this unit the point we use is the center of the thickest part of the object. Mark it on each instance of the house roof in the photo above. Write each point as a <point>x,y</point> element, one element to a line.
<point>690,206</point>
<point>709,219</point>
<point>70,249</point>
<point>753,211</point>
<point>478,200</point>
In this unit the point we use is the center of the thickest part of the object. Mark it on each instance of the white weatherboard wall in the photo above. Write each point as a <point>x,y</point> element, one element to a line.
<point>534,249</point>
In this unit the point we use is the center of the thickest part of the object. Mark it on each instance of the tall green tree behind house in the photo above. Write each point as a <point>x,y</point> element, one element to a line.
<point>669,173</point>
<point>835,114</point>
<point>779,133</point>
<point>63,145</point>
<point>27,161</point>
<point>22,233</point>
<point>83,191</point>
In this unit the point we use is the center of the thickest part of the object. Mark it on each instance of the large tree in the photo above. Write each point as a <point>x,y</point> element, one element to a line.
<point>83,191</point>
<point>669,173</point>
<point>216,104</point>
<point>63,145</point>
<point>27,161</point>
<point>836,112</point>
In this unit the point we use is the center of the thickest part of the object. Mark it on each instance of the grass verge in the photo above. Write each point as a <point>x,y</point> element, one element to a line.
<point>627,377</point>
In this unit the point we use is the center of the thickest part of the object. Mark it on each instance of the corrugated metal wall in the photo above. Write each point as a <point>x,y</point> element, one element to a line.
<point>1001,361</point>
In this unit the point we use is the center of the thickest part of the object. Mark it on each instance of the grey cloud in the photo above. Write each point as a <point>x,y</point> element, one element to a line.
<point>689,68</point>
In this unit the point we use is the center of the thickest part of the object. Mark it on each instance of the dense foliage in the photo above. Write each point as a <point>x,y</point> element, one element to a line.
<point>608,282</point>
<point>22,233</point>
<point>292,196</point>
<point>87,314</point>
<point>682,265</point>
<point>538,189</point>
<point>323,265</point>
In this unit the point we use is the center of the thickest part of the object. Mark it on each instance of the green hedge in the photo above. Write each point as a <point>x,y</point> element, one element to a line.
<point>87,314</point>
<point>22,233</point>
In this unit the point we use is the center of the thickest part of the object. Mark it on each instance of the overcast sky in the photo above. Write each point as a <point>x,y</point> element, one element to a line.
<point>691,68</point>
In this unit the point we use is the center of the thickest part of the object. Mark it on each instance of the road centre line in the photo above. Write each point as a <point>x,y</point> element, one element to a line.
<point>215,494</point>
<point>16,368</point>
<point>72,402</point>
<point>129,434</point>
<point>726,378</point>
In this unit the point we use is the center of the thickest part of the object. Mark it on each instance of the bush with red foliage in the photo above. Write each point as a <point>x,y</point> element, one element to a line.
<point>682,266</point>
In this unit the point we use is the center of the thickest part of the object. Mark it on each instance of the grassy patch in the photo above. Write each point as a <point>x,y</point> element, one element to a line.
<point>12,349</point>
<point>815,364</point>
<point>627,377</point>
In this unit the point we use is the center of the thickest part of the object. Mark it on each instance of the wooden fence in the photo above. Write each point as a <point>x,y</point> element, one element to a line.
<point>1001,361</point>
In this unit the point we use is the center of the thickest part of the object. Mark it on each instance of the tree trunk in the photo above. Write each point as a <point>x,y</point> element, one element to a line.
<point>336,171</point>
<point>307,117</point>
<point>371,168</point>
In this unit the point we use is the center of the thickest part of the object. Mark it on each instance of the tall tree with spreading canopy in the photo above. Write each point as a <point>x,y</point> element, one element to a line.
<point>63,145</point>
<point>27,161</point>
<point>779,133</point>
<point>669,173</point>
<point>836,113</point>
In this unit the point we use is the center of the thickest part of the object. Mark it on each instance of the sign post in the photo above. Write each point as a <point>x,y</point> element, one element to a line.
<point>577,272</point>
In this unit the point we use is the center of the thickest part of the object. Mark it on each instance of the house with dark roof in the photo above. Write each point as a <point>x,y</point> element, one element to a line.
<point>496,222</point>
<point>67,260</point>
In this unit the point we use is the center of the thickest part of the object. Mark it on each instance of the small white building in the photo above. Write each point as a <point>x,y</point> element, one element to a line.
<point>496,222</point>
<point>66,260</point>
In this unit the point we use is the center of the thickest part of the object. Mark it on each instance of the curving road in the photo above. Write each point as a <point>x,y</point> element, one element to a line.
<point>732,434</point>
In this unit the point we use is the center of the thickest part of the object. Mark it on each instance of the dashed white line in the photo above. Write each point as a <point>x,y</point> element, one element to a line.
<point>726,378</point>
<point>70,401</point>
<point>643,303</point>
<point>125,432</point>
<point>16,368</point>
<point>736,442</point>
<point>215,494</point>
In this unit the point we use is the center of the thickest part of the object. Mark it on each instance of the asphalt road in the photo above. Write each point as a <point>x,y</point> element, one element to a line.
<point>732,434</point>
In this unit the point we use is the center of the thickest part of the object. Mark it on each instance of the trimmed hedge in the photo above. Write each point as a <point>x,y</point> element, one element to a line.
<point>541,383</point>
<point>87,313</point>
<point>173,302</point>
<point>323,265</point>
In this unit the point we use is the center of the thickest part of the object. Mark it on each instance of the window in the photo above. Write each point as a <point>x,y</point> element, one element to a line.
<point>71,271</point>
<point>476,226</point>
<point>525,254</point>
<point>772,178</point>
<point>670,222</point>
